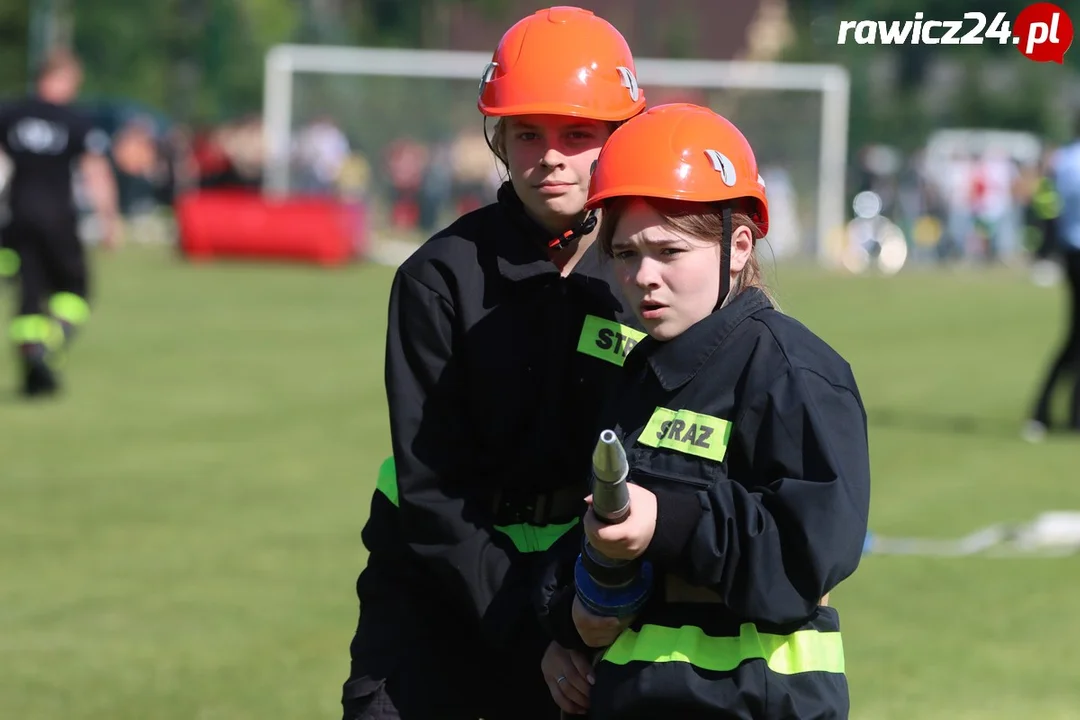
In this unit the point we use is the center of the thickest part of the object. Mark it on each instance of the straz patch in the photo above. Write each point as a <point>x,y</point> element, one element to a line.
<point>687,432</point>
<point>607,339</point>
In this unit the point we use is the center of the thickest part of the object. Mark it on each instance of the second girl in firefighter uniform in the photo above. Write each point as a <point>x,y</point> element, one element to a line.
<point>747,441</point>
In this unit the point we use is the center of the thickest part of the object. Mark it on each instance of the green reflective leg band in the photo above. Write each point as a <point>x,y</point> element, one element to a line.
<point>35,329</point>
<point>801,651</point>
<point>69,308</point>
<point>535,538</point>
<point>386,483</point>
<point>9,262</point>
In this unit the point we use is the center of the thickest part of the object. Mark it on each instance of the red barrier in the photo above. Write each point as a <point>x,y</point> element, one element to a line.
<point>244,224</point>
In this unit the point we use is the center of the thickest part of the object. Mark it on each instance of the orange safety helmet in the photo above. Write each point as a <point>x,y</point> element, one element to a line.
<point>562,61</point>
<point>680,151</point>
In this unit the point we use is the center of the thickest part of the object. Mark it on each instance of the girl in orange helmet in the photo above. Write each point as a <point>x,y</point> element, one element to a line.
<point>505,331</point>
<point>746,439</point>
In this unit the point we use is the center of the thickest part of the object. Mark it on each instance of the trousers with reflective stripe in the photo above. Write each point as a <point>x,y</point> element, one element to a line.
<point>680,671</point>
<point>526,538</point>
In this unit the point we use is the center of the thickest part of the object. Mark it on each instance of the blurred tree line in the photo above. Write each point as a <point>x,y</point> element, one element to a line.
<point>201,60</point>
<point>933,86</point>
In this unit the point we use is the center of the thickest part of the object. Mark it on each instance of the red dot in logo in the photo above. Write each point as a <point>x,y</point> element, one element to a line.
<point>1043,32</point>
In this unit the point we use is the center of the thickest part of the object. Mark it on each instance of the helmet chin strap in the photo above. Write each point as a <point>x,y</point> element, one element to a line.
<point>583,228</point>
<point>725,260</point>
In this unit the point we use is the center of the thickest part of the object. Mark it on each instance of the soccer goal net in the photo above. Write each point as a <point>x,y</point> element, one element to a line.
<point>400,128</point>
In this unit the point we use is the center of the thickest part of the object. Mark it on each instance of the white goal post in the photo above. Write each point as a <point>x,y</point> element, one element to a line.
<point>284,62</point>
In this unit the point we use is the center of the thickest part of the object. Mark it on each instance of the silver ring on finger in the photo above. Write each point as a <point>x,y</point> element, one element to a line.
<point>558,680</point>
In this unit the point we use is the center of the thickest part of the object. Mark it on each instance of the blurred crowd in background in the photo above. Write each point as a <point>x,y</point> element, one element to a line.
<point>417,184</point>
<point>948,147</point>
<point>967,195</point>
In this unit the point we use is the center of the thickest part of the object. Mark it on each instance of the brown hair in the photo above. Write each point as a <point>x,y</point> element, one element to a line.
<point>704,221</point>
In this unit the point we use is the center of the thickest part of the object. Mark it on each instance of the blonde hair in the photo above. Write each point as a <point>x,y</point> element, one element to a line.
<point>496,141</point>
<point>58,60</point>
<point>704,221</point>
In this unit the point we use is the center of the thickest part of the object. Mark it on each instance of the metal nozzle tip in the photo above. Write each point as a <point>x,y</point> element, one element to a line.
<point>609,458</point>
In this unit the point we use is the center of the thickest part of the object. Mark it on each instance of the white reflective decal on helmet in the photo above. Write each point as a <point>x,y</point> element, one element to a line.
<point>485,78</point>
<point>629,82</point>
<point>722,165</point>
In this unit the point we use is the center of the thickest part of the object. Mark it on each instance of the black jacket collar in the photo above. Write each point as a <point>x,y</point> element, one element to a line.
<point>525,256</point>
<point>678,360</point>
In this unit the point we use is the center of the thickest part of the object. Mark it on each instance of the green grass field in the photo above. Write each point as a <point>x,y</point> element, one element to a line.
<point>180,533</point>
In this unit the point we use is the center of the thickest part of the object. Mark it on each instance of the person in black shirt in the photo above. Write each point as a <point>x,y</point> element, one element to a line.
<point>1060,206</point>
<point>43,136</point>
<point>746,440</point>
<point>504,335</point>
